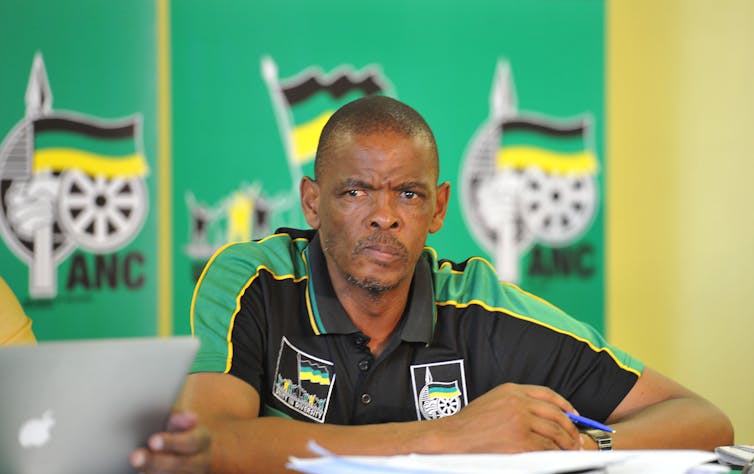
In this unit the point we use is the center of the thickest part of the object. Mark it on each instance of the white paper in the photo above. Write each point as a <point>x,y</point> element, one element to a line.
<point>538,462</point>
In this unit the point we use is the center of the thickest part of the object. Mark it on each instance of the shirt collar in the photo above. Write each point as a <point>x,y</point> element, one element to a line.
<point>328,316</point>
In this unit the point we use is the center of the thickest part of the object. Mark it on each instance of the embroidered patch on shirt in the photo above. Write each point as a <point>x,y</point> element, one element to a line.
<point>439,389</point>
<point>303,382</point>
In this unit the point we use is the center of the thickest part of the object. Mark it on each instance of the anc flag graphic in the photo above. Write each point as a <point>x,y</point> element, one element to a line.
<point>443,390</point>
<point>62,143</point>
<point>314,373</point>
<point>314,99</point>
<point>306,101</point>
<point>556,149</point>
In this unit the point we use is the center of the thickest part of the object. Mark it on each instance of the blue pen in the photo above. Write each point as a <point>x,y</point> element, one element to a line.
<point>580,420</point>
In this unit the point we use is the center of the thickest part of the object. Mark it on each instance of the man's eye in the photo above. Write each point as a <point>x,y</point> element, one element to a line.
<point>410,195</point>
<point>353,193</point>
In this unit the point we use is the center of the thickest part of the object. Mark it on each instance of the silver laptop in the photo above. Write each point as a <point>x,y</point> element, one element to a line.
<point>83,406</point>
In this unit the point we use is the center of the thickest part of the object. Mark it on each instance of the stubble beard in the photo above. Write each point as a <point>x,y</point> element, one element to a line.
<point>374,288</point>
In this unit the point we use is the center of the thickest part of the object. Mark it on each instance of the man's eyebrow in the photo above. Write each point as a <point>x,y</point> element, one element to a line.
<point>413,185</point>
<point>354,183</point>
<point>359,183</point>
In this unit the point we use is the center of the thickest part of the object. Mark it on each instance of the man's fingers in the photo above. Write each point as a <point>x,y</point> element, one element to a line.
<point>552,423</point>
<point>138,459</point>
<point>154,463</point>
<point>181,421</point>
<point>182,442</point>
<point>183,447</point>
<point>548,425</point>
<point>562,437</point>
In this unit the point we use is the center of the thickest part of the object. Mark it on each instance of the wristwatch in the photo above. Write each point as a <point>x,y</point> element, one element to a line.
<point>603,439</point>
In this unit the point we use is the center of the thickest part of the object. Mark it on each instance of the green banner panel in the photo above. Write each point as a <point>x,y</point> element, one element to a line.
<point>513,90</point>
<point>78,131</point>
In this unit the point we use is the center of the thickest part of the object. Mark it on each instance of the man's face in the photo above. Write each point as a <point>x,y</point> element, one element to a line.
<point>374,204</point>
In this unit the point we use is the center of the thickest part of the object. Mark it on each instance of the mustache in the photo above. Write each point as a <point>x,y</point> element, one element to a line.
<point>384,242</point>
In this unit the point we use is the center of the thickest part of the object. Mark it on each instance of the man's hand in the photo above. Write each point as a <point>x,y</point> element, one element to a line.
<point>183,447</point>
<point>513,418</point>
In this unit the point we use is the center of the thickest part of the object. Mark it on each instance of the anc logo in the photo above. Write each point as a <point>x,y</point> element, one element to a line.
<point>527,178</point>
<point>443,394</point>
<point>303,382</point>
<point>302,104</point>
<point>68,181</point>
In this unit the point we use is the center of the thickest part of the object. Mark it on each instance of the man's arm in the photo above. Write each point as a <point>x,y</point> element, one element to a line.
<point>660,413</point>
<point>509,418</point>
<point>657,413</point>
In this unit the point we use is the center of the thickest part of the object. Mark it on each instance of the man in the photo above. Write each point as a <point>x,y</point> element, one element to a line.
<point>352,334</point>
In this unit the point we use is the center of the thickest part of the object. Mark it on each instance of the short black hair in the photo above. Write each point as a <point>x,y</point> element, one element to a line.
<point>369,115</point>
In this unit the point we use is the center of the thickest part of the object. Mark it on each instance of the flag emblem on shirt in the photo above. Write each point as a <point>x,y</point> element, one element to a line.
<point>443,390</point>
<point>313,372</point>
<point>439,389</point>
<point>303,383</point>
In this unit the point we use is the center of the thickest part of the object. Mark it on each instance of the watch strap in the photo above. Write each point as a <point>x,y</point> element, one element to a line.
<point>603,439</point>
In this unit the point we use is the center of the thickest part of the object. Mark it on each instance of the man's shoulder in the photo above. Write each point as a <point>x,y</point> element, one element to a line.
<point>280,253</point>
<point>474,281</point>
<point>472,288</point>
<point>472,278</point>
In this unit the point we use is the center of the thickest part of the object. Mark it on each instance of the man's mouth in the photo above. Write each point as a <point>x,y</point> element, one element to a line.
<point>382,248</point>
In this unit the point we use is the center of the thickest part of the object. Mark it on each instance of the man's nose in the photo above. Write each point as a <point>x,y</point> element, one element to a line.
<point>385,213</point>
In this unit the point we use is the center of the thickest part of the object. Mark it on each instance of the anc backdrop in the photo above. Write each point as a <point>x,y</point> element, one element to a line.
<point>514,92</point>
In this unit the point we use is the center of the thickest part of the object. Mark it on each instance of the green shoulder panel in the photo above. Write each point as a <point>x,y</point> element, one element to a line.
<point>225,278</point>
<point>475,282</point>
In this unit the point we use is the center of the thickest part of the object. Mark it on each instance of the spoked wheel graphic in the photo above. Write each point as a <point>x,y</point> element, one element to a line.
<point>101,213</point>
<point>448,406</point>
<point>557,208</point>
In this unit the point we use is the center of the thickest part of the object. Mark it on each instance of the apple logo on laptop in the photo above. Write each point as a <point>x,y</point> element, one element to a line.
<point>35,432</point>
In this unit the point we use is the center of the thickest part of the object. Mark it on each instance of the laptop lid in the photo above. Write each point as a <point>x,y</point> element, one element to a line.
<point>83,406</point>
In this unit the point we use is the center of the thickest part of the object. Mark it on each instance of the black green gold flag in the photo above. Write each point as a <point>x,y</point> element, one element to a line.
<point>304,102</point>
<point>66,143</point>
<point>554,148</point>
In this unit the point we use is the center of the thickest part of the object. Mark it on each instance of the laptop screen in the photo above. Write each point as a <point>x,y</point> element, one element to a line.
<point>83,406</point>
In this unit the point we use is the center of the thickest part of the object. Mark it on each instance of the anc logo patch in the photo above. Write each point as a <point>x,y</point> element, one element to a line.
<point>439,389</point>
<point>303,382</point>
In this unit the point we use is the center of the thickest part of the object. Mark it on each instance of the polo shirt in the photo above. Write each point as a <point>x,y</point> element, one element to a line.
<point>266,312</point>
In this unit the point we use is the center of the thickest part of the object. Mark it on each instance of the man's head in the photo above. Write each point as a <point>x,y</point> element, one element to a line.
<point>375,197</point>
<point>375,114</point>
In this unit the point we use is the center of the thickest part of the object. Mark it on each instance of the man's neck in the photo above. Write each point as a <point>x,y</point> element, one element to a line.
<point>375,314</point>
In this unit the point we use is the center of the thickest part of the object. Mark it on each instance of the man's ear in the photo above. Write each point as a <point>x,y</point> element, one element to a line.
<point>309,190</point>
<point>441,207</point>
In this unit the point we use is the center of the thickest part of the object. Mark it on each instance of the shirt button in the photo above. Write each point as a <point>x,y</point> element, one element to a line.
<point>359,339</point>
<point>366,399</point>
<point>364,365</point>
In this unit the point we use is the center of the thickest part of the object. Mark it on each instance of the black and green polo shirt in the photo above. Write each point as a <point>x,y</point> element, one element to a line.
<point>266,312</point>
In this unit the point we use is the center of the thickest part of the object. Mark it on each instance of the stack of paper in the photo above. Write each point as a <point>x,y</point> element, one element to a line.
<point>735,455</point>
<point>539,462</point>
